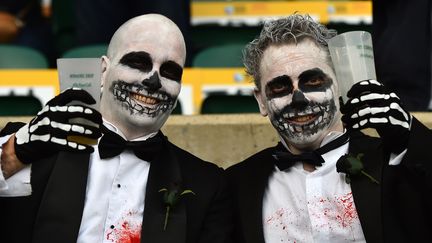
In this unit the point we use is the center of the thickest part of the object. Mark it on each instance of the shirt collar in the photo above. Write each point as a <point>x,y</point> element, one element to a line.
<point>328,138</point>
<point>332,135</point>
<point>113,128</point>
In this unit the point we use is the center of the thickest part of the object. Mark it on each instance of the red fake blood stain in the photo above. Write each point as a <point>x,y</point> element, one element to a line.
<point>277,219</point>
<point>347,210</point>
<point>125,234</point>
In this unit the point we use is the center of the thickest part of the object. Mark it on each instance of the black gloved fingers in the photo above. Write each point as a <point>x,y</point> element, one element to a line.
<point>72,146</point>
<point>364,87</point>
<point>55,143</point>
<point>62,130</point>
<point>393,109</point>
<point>377,117</point>
<point>369,100</point>
<point>64,113</point>
<point>366,121</point>
<point>61,143</point>
<point>72,94</point>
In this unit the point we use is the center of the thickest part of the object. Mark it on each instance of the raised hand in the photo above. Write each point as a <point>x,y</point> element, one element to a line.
<point>369,105</point>
<point>54,129</point>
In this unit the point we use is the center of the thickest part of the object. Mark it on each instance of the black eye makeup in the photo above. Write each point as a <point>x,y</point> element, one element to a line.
<point>138,60</point>
<point>279,86</point>
<point>171,70</point>
<point>314,80</point>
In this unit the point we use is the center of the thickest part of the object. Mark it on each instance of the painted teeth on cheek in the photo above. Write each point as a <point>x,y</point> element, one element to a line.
<point>291,128</point>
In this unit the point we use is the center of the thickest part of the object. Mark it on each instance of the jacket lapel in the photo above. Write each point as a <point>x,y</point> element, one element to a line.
<point>367,195</point>
<point>251,197</point>
<point>164,171</point>
<point>62,204</point>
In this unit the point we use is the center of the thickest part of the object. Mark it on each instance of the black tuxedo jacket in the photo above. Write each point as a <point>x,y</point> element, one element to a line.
<point>396,210</point>
<point>53,212</point>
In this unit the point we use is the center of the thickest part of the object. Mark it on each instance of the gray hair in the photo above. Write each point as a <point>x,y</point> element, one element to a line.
<point>291,29</point>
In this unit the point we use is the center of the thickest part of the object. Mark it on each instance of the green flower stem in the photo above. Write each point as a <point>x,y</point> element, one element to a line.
<point>166,217</point>
<point>370,177</point>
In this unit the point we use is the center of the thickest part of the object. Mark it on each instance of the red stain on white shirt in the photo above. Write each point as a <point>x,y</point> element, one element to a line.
<point>125,232</point>
<point>333,214</point>
<point>346,209</point>
<point>277,219</point>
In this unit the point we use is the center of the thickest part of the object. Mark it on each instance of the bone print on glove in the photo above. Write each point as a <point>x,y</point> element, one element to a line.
<point>369,105</point>
<point>52,131</point>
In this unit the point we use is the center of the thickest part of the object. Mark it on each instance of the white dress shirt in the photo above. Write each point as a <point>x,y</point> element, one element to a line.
<point>114,203</point>
<point>318,206</point>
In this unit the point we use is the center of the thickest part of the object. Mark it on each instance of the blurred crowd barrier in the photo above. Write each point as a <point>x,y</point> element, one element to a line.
<point>224,139</point>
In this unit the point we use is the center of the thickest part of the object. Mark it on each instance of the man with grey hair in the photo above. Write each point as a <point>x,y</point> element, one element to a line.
<point>134,185</point>
<point>325,181</point>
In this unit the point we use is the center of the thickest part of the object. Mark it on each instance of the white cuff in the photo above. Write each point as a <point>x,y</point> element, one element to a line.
<point>17,185</point>
<point>3,184</point>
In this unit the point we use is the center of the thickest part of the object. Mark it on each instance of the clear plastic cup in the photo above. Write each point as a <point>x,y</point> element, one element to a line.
<point>353,59</point>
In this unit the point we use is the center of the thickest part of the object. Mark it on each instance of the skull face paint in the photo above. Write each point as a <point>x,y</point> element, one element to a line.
<point>139,101</point>
<point>302,116</point>
<point>146,97</point>
<point>298,92</point>
<point>142,79</point>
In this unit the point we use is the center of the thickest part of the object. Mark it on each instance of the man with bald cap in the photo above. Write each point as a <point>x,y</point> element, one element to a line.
<point>134,185</point>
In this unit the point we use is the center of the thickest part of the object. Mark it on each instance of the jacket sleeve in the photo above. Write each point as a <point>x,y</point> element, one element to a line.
<point>418,158</point>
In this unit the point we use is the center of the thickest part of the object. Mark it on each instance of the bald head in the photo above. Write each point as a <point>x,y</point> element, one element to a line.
<point>144,29</point>
<point>142,74</point>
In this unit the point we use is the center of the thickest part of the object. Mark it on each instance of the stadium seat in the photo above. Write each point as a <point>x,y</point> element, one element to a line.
<point>20,57</point>
<point>86,51</point>
<point>228,55</point>
<point>223,104</point>
<point>13,105</point>
<point>63,24</point>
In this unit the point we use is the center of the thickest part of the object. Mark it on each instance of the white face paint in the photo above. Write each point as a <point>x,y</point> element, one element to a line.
<point>299,93</point>
<point>142,78</point>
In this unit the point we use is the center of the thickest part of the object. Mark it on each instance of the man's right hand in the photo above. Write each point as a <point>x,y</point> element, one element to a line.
<point>53,130</point>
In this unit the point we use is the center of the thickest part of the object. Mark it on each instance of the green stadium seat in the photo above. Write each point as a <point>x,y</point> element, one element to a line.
<point>228,55</point>
<point>13,105</point>
<point>225,104</point>
<point>63,24</point>
<point>86,51</point>
<point>21,57</point>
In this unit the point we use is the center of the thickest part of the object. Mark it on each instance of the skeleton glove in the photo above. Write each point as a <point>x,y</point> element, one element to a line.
<point>369,105</point>
<point>52,130</point>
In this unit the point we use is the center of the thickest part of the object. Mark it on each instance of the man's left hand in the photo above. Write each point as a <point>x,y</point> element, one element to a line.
<point>10,164</point>
<point>369,105</point>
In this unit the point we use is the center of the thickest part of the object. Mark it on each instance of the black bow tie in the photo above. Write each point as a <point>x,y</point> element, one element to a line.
<point>285,159</point>
<point>111,144</point>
